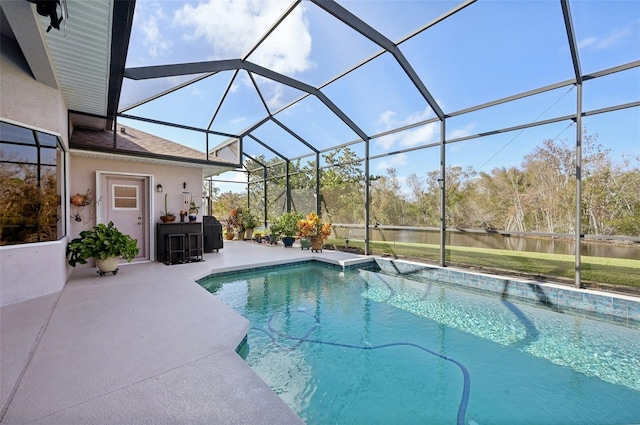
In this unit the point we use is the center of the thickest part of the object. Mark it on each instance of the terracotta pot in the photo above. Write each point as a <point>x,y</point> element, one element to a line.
<point>78,200</point>
<point>317,243</point>
<point>229,236</point>
<point>168,218</point>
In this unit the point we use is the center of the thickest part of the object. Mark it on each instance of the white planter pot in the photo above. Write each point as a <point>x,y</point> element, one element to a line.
<point>108,265</point>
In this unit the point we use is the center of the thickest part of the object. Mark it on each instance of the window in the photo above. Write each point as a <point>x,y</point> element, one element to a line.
<point>31,186</point>
<point>125,197</point>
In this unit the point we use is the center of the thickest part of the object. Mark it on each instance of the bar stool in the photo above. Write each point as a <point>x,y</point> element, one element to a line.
<point>175,248</point>
<point>195,246</point>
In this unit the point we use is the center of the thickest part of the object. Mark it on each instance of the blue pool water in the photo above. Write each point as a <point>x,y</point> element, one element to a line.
<point>356,347</point>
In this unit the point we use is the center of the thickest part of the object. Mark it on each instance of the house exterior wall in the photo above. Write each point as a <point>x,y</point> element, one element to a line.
<point>30,103</point>
<point>82,172</point>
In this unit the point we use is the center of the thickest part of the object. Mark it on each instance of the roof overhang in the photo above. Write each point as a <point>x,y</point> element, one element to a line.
<point>84,59</point>
<point>81,54</point>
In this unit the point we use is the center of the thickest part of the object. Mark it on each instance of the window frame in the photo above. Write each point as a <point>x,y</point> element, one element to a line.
<point>24,227</point>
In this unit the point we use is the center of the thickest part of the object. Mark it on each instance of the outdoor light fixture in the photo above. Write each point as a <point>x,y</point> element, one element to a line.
<point>159,188</point>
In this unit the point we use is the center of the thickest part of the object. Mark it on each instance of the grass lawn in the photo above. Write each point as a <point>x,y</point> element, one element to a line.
<point>595,270</point>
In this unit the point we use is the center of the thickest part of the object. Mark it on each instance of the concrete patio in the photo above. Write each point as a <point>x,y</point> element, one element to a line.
<point>148,345</point>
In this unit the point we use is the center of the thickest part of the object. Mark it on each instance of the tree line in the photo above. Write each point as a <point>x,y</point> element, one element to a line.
<point>537,196</point>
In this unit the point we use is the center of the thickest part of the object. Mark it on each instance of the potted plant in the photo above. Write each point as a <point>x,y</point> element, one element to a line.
<point>249,222</point>
<point>167,217</point>
<point>106,244</point>
<point>229,228</point>
<point>315,229</point>
<point>193,211</point>
<point>274,233</point>
<point>287,224</point>
<point>235,222</point>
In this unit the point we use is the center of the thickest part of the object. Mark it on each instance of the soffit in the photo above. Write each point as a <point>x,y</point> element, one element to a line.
<point>80,53</point>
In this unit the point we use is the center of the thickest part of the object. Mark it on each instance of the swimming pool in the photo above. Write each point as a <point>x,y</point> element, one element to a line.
<point>355,346</point>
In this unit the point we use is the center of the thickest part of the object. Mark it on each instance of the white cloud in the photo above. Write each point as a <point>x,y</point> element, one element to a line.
<point>238,120</point>
<point>153,39</point>
<point>232,27</point>
<point>614,37</point>
<point>587,42</point>
<point>273,96</point>
<point>389,121</point>
<point>462,131</point>
<point>420,135</point>
<point>387,142</point>
<point>393,161</point>
<point>387,118</point>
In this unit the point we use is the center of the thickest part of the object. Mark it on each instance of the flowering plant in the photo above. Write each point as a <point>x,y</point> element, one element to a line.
<point>312,226</point>
<point>233,221</point>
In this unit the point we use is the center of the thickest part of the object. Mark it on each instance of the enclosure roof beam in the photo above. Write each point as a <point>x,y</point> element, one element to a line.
<point>183,127</point>
<point>292,133</point>
<point>369,32</point>
<point>224,96</point>
<point>571,35</point>
<point>275,152</point>
<point>161,71</point>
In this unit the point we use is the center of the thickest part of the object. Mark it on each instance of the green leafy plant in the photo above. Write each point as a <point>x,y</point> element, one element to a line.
<point>287,224</point>
<point>248,220</point>
<point>101,242</point>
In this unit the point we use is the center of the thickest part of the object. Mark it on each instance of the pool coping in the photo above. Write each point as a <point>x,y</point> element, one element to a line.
<point>283,262</point>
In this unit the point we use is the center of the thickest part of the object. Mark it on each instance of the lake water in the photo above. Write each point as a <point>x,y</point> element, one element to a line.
<point>497,241</point>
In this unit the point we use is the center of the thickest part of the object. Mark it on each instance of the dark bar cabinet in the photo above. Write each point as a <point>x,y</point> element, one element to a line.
<point>179,242</point>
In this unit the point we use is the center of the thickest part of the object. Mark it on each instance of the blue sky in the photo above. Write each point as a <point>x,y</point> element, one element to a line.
<point>489,50</point>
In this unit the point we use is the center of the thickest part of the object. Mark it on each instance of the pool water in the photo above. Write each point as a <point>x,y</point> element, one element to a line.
<point>359,347</point>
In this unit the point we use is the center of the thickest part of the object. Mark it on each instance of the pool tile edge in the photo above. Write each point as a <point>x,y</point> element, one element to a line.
<point>617,308</point>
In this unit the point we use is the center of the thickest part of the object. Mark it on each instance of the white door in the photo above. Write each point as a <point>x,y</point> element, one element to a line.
<point>126,205</point>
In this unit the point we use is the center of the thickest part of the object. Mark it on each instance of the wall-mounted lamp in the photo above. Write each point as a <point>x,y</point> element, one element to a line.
<point>159,188</point>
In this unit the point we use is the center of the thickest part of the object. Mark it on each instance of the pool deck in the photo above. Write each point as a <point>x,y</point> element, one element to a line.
<point>147,346</point>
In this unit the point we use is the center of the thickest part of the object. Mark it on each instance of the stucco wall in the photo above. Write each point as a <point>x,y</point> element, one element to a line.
<point>30,270</point>
<point>82,172</point>
<point>24,99</point>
